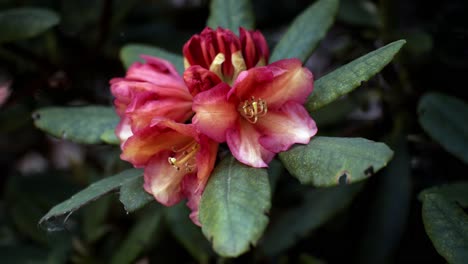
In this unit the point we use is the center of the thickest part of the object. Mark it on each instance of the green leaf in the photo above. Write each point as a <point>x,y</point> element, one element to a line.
<point>78,124</point>
<point>328,161</point>
<point>447,226</point>
<point>346,78</point>
<point>133,196</point>
<point>94,218</point>
<point>91,193</point>
<point>231,14</point>
<point>390,208</point>
<point>132,53</point>
<point>109,137</point>
<point>306,31</point>
<point>138,238</point>
<point>456,192</point>
<point>23,23</point>
<point>444,119</point>
<point>187,233</point>
<point>317,206</point>
<point>233,207</point>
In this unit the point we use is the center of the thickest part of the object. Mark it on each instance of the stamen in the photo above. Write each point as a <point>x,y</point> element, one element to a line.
<point>184,156</point>
<point>252,109</point>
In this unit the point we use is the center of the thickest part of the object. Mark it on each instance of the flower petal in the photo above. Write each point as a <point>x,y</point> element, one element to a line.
<point>162,180</point>
<point>140,147</point>
<point>192,186</point>
<point>243,142</point>
<point>282,128</point>
<point>156,71</point>
<point>214,114</point>
<point>280,82</point>
<point>199,79</point>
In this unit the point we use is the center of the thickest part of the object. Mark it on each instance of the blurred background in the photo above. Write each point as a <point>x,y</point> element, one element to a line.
<point>71,64</point>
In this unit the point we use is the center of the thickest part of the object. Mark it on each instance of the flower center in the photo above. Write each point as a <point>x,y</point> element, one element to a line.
<point>252,109</point>
<point>185,156</point>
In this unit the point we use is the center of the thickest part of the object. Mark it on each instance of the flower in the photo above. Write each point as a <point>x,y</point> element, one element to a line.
<point>261,115</point>
<point>177,161</point>
<point>225,54</point>
<point>149,90</point>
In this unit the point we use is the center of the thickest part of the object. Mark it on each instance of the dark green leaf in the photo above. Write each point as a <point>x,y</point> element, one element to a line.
<point>358,12</point>
<point>233,207</point>
<point>231,14</point>
<point>389,209</point>
<point>133,196</point>
<point>23,23</point>
<point>306,31</point>
<point>327,161</point>
<point>316,207</point>
<point>132,53</point>
<point>95,214</point>
<point>447,226</point>
<point>275,170</point>
<point>187,233</point>
<point>444,119</point>
<point>346,78</point>
<point>78,124</point>
<point>456,192</point>
<point>138,238</point>
<point>91,193</point>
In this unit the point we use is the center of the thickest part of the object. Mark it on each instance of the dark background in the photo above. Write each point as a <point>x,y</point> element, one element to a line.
<point>72,63</point>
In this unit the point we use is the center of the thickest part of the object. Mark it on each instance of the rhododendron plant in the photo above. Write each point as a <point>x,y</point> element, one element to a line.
<point>261,115</point>
<point>206,140</point>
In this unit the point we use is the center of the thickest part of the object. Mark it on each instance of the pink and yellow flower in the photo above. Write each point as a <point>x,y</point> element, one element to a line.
<point>177,161</point>
<point>232,95</point>
<point>261,115</point>
<point>149,90</point>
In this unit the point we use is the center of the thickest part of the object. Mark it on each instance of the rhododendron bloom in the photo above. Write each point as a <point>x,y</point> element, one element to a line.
<point>262,114</point>
<point>149,90</point>
<point>224,53</point>
<point>177,161</point>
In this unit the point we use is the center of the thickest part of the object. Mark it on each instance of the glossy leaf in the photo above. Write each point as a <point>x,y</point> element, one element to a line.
<point>328,161</point>
<point>78,124</point>
<point>139,238</point>
<point>306,31</point>
<point>91,193</point>
<point>233,207</point>
<point>187,233</point>
<point>23,23</point>
<point>447,226</point>
<point>133,196</point>
<point>346,78</point>
<point>231,14</point>
<point>132,53</point>
<point>444,119</point>
<point>316,207</point>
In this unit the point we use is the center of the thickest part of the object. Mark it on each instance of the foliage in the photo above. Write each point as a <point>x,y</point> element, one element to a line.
<point>62,155</point>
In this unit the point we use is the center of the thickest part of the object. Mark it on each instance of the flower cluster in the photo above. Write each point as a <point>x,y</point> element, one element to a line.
<point>172,125</point>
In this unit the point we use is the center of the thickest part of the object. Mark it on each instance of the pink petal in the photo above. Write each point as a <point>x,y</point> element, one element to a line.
<point>199,79</point>
<point>288,125</point>
<point>280,82</point>
<point>243,142</point>
<point>162,180</point>
<point>140,147</point>
<point>123,131</point>
<point>156,71</point>
<point>214,114</point>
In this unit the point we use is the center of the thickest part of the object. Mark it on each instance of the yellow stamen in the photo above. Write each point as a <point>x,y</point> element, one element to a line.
<point>185,157</point>
<point>252,109</point>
